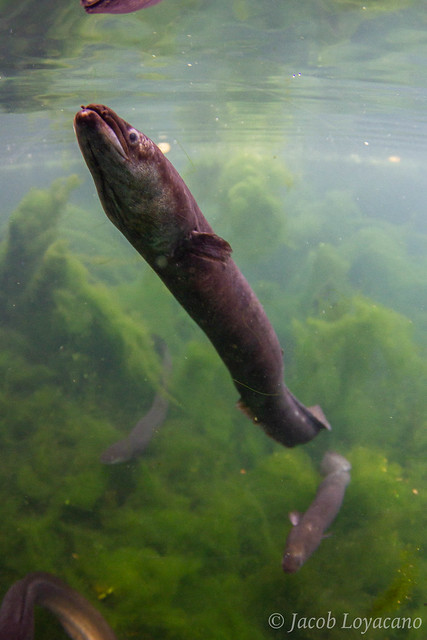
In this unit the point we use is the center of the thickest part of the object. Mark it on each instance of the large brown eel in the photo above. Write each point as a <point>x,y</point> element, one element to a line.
<point>147,200</point>
<point>309,527</point>
<point>79,618</point>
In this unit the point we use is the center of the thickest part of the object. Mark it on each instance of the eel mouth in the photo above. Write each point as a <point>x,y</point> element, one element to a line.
<point>105,123</point>
<point>103,140</point>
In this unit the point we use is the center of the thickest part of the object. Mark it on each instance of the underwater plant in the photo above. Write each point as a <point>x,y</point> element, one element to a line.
<point>187,541</point>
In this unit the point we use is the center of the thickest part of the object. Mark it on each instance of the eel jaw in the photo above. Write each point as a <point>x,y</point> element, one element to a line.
<point>93,125</point>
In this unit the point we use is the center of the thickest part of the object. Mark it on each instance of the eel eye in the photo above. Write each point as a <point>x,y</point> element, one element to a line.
<point>133,136</point>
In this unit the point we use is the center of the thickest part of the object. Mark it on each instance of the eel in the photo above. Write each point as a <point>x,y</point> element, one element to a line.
<point>135,443</point>
<point>116,6</point>
<point>79,618</point>
<point>309,528</point>
<point>148,201</point>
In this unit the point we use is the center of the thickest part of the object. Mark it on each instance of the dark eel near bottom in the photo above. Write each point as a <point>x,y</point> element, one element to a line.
<point>79,618</point>
<point>147,200</point>
<point>135,443</point>
<point>309,528</point>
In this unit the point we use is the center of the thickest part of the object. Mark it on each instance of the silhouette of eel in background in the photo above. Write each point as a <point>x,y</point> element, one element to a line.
<point>308,529</point>
<point>116,6</point>
<point>79,618</point>
<point>135,443</point>
<point>147,200</point>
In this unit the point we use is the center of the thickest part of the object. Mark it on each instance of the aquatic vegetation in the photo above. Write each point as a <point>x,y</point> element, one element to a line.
<point>245,184</point>
<point>361,362</point>
<point>63,342</point>
<point>187,542</point>
<point>32,228</point>
<point>71,325</point>
<point>327,291</point>
<point>399,589</point>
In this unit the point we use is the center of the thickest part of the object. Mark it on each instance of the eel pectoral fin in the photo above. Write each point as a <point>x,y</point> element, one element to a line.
<point>208,246</point>
<point>317,412</point>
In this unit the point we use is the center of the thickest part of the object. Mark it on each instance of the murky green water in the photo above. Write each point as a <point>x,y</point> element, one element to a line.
<point>301,129</point>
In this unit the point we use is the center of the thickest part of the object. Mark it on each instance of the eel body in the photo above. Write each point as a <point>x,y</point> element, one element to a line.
<point>147,200</point>
<point>135,443</point>
<point>116,6</point>
<point>79,618</point>
<point>308,530</point>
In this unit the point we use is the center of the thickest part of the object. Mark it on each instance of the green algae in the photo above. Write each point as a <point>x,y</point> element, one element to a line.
<point>70,324</point>
<point>362,361</point>
<point>66,346</point>
<point>250,185</point>
<point>32,228</point>
<point>400,588</point>
<point>187,542</point>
